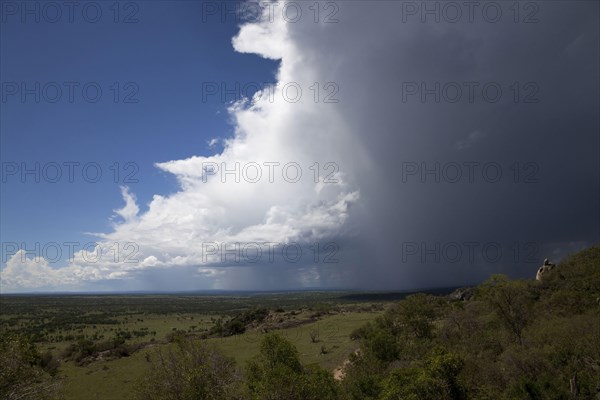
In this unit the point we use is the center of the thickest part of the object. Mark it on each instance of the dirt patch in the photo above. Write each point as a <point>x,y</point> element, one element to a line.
<point>339,373</point>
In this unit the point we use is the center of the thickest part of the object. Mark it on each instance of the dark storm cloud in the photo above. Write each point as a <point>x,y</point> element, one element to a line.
<point>544,137</point>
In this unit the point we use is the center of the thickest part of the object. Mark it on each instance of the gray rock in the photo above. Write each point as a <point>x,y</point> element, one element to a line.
<point>547,267</point>
<point>462,294</point>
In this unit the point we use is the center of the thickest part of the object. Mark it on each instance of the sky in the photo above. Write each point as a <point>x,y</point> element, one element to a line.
<point>377,145</point>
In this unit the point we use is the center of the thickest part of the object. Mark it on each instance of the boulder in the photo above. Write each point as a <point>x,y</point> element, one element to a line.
<point>462,294</point>
<point>548,266</point>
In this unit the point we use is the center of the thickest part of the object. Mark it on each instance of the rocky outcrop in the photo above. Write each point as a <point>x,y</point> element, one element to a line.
<point>544,269</point>
<point>462,294</point>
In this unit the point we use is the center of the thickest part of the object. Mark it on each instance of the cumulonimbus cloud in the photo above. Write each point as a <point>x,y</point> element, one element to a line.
<point>279,180</point>
<point>397,80</point>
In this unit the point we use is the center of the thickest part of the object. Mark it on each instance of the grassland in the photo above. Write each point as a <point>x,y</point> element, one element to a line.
<point>318,323</point>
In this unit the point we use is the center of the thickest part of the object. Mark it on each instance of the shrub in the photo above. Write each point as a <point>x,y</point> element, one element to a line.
<point>192,370</point>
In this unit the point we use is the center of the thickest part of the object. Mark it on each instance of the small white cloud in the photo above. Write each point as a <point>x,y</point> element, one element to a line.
<point>130,210</point>
<point>266,39</point>
<point>212,142</point>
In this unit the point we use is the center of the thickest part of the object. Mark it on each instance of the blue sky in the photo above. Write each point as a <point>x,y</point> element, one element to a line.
<point>168,55</point>
<point>412,144</point>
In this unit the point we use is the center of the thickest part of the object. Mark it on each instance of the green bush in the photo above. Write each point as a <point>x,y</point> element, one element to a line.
<point>191,371</point>
<point>277,374</point>
<point>23,371</point>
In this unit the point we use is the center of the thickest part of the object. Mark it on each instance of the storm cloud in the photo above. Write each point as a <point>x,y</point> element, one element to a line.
<point>463,140</point>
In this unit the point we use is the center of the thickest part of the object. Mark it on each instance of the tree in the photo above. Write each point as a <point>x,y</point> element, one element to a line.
<point>436,379</point>
<point>21,374</point>
<point>277,374</point>
<point>416,315</point>
<point>382,344</point>
<point>363,378</point>
<point>314,336</point>
<point>192,370</point>
<point>511,301</point>
<point>318,384</point>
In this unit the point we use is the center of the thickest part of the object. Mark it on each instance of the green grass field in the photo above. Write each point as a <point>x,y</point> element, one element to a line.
<point>319,325</point>
<point>115,379</point>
